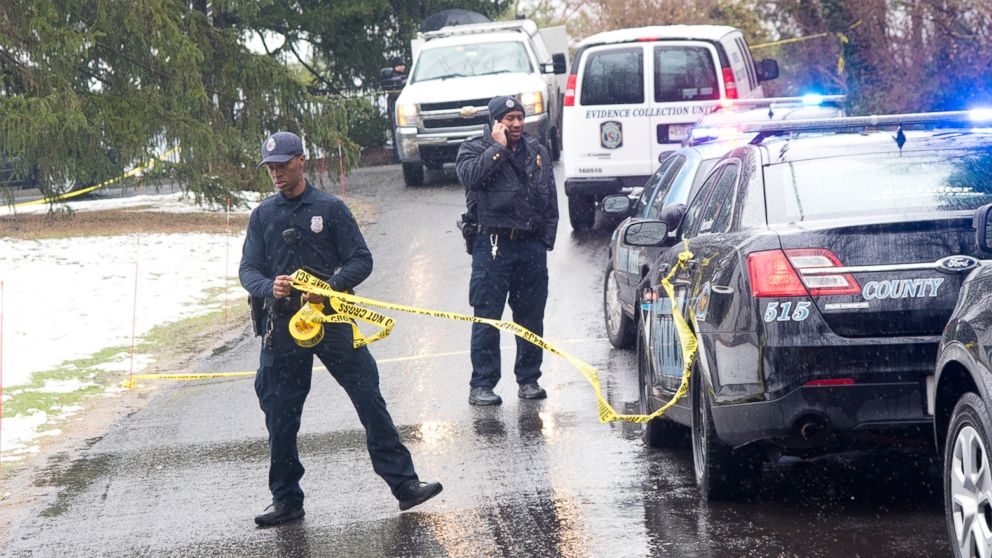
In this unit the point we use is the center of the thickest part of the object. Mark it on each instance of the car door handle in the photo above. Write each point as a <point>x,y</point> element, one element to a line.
<point>722,289</point>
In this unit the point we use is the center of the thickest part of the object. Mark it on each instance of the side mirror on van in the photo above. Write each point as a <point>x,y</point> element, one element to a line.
<point>618,204</point>
<point>766,69</point>
<point>558,59</point>
<point>645,233</point>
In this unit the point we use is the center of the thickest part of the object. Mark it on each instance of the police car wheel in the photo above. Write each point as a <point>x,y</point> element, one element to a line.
<point>968,478</point>
<point>413,174</point>
<point>581,212</point>
<point>619,326</point>
<point>659,432</point>
<point>721,473</point>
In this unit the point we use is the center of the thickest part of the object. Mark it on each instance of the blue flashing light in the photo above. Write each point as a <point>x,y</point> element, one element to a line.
<point>980,114</point>
<point>812,99</point>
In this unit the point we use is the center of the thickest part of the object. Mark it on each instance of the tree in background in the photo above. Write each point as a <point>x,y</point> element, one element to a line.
<point>88,88</point>
<point>887,55</point>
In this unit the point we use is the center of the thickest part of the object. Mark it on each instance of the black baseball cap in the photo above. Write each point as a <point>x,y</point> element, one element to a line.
<point>281,147</point>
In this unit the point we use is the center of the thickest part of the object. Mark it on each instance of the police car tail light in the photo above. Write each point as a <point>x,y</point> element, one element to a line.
<point>820,282</point>
<point>772,275</point>
<point>570,90</point>
<point>729,85</point>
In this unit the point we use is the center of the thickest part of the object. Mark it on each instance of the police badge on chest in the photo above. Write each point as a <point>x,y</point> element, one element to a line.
<point>316,223</point>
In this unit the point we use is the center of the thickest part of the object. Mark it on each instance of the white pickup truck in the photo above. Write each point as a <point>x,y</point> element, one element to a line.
<point>456,70</point>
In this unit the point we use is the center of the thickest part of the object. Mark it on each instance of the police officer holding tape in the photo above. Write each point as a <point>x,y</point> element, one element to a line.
<point>510,190</point>
<point>302,227</point>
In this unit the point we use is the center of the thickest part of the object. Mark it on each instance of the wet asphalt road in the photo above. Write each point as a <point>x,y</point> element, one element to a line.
<point>185,476</point>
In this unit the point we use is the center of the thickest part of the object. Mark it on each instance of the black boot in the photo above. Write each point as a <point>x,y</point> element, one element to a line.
<point>416,493</point>
<point>277,513</point>
<point>483,396</point>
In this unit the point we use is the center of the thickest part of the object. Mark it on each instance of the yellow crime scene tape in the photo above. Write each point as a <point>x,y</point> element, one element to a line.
<point>305,328</point>
<point>136,170</point>
<point>842,39</point>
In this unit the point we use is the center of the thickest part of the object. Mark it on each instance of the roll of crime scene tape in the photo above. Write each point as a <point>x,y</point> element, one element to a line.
<point>351,307</point>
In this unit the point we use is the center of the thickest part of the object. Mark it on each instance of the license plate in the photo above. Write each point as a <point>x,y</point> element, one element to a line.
<point>679,132</point>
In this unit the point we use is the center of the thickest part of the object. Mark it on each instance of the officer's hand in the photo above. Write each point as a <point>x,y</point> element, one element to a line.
<point>282,288</point>
<point>499,133</point>
<point>314,298</point>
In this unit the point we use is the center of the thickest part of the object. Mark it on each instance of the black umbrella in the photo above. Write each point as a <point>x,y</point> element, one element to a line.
<point>455,16</point>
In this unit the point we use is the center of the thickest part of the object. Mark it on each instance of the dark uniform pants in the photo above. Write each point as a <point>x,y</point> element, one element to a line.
<point>519,273</point>
<point>282,385</point>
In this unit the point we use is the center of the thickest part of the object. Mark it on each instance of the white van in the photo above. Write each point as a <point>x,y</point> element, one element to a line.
<point>633,94</point>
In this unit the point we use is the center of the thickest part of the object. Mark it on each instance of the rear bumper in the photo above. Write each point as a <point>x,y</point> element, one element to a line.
<point>810,416</point>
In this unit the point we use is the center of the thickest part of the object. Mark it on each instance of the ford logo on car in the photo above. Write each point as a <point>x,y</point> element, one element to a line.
<point>957,264</point>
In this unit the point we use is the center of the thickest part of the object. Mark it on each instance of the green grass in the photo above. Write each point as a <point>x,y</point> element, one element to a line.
<point>181,337</point>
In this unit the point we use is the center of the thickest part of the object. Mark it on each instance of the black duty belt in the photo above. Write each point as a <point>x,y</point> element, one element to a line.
<point>512,234</point>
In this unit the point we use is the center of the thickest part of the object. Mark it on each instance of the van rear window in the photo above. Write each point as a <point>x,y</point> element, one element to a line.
<point>684,74</point>
<point>613,77</point>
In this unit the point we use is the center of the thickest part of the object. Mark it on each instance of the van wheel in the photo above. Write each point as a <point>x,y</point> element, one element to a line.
<point>659,432</point>
<point>413,174</point>
<point>721,472</point>
<point>581,212</point>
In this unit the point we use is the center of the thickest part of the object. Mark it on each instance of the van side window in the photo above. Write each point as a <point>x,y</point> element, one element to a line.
<point>684,74</point>
<point>613,77</point>
<point>718,209</point>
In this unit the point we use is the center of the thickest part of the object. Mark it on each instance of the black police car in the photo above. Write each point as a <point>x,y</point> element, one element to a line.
<point>674,183</point>
<point>826,258</point>
<point>961,403</point>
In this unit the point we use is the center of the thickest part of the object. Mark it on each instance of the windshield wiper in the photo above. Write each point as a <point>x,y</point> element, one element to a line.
<point>445,76</point>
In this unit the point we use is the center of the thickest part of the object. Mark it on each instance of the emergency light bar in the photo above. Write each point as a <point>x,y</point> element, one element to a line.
<point>765,129</point>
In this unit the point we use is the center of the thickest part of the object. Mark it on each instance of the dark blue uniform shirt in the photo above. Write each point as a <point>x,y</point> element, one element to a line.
<point>330,242</point>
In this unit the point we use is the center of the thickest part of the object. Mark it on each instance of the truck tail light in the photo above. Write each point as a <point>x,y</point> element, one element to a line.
<point>570,90</point>
<point>729,85</point>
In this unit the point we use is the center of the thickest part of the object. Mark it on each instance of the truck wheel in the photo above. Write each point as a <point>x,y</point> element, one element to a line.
<point>581,212</point>
<point>413,174</point>
<point>555,145</point>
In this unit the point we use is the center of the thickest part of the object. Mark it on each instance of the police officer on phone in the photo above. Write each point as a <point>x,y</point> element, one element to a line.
<point>302,227</point>
<point>510,192</point>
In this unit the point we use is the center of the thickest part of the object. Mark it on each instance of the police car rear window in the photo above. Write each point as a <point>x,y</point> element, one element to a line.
<point>684,74</point>
<point>613,77</point>
<point>882,184</point>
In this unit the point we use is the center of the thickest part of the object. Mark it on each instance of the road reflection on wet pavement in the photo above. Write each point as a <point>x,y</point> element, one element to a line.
<point>185,476</point>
